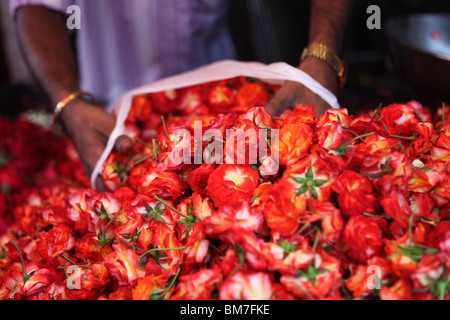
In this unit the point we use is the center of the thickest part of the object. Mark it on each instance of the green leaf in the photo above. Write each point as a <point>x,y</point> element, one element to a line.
<point>287,247</point>
<point>302,190</point>
<point>184,221</point>
<point>319,182</point>
<point>300,180</point>
<point>314,193</point>
<point>161,220</point>
<point>416,252</point>
<point>309,173</point>
<point>385,169</point>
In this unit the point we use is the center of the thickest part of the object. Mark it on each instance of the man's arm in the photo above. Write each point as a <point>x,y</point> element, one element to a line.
<point>328,22</point>
<point>46,45</point>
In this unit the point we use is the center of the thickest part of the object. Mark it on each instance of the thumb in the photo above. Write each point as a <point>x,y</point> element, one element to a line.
<point>123,144</point>
<point>273,106</point>
<point>100,184</point>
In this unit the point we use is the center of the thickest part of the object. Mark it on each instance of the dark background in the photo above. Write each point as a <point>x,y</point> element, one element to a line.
<point>371,79</point>
<point>277,30</point>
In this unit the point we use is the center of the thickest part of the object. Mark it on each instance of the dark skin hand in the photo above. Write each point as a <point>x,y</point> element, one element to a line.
<point>90,142</point>
<point>328,23</point>
<point>44,40</point>
<point>292,93</point>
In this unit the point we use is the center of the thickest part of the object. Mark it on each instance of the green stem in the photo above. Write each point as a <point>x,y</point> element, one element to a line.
<point>240,264</point>
<point>215,138</point>
<point>373,117</point>
<point>161,249</point>
<point>26,276</point>
<point>401,137</point>
<point>215,248</point>
<point>441,287</point>
<point>316,241</point>
<point>109,223</point>
<point>131,246</point>
<point>102,246</point>
<point>138,162</point>
<point>385,129</point>
<point>410,229</point>
<point>170,207</point>
<point>383,216</point>
<point>142,142</point>
<point>67,259</point>
<point>165,128</point>
<point>171,282</point>
<point>403,148</point>
<point>305,292</point>
<point>302,228</point>
<point>155,151</point>
<point>310,199</point>
<point>359,137</point>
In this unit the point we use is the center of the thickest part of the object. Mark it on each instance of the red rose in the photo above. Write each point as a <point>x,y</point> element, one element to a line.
<point>198,178</point>
<point>440,237</point>
<point>355,193</point>
<point>400,290</point>
<point>141,108</point>
<point>283,209</point>
<point>164,184</point>
<point>191,100</point>
<point>221,98</point>
<point>397,207</point>
<point>232,183</point>
<point>363,238</point>
<point>252,94</point>
<point>399,118</point>
<point>247,286</point>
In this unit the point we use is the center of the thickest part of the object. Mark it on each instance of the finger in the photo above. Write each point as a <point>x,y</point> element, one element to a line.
<point>100,184</point>
<point>123,144</point>
<point>273,106</point>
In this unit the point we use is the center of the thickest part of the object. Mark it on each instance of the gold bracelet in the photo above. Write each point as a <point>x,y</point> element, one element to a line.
<point>322,52</point>
<point>63,103</point>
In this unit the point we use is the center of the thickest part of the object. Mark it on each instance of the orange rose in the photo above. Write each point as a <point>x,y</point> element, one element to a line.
<point>294,142</point>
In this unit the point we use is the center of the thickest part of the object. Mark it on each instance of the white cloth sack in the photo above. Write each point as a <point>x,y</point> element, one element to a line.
<point>276,73</point>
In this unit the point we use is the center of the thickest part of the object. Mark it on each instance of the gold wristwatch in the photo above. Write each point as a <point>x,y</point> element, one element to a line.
<point>322,52</point>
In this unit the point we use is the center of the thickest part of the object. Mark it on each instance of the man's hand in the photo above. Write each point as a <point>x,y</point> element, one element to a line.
<point>328,21</point>
<point>89,128</point>
<point>292,93</point>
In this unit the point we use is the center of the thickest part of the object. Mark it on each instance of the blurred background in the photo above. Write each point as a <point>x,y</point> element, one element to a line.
<point>265,31</point>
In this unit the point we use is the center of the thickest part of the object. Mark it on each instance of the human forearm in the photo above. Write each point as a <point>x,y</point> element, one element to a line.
<point>46,45</point>
<point>328,22</point>
<point>329,19</point>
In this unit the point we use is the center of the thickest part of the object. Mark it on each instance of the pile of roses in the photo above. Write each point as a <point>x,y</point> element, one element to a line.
<point>359,208</point>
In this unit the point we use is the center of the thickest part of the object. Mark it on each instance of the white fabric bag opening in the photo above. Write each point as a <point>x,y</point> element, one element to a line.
<point>278,73</point>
